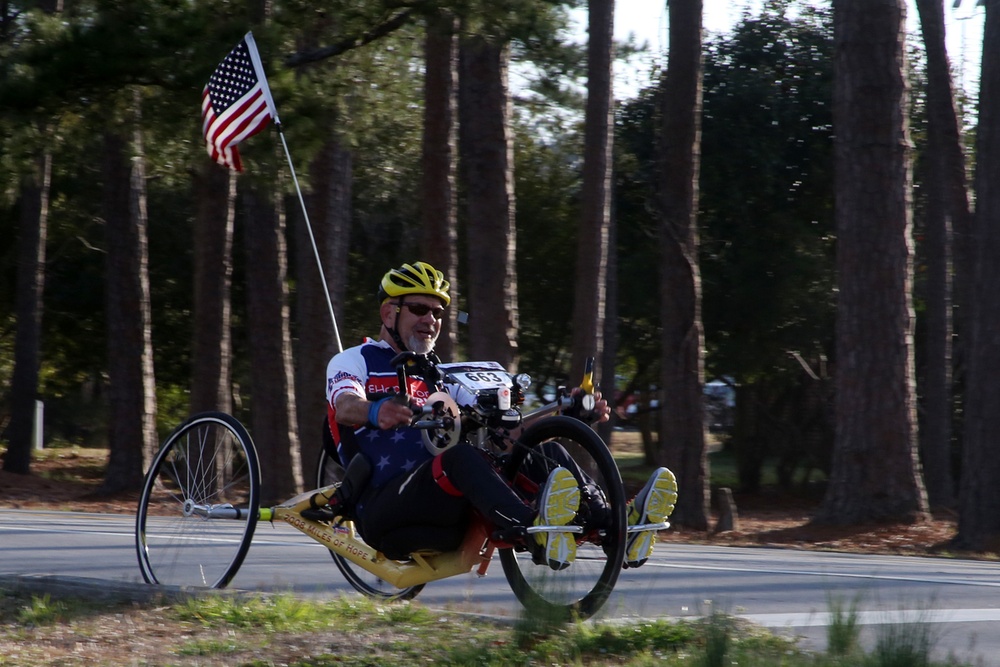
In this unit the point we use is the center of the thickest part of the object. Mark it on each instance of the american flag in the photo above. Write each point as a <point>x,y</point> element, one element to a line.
<point>236,103</point>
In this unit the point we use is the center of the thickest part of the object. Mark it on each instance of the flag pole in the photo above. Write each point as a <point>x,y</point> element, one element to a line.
<point>266,90</point>
<point>312,239</point>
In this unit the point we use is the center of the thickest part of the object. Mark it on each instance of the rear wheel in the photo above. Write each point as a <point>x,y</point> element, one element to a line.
<point>329,471</point>
<point>199,504</point>
<point>581,589</point>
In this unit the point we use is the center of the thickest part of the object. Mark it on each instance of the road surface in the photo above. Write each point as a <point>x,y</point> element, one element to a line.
<point>785,590</point>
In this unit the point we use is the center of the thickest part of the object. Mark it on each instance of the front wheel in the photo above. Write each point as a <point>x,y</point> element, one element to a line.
<point>199,504</point>
<point>329,471</point>
<point>581,589</point>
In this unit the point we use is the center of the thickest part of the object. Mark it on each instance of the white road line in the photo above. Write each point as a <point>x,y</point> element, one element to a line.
<point>829,574</point>
<point>887,617</point>
<point>64,531</point>
<point>131,535</point>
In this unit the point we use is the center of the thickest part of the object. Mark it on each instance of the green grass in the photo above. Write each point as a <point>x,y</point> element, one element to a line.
<point>42,610</point>
<point>843,631</point>
<point>283,629</point>
<point>722,466</point>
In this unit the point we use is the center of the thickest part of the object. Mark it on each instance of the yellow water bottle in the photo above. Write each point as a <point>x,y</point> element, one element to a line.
<point>587,386</point>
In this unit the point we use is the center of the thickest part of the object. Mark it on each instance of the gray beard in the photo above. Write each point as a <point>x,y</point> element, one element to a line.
<point>419,345</point>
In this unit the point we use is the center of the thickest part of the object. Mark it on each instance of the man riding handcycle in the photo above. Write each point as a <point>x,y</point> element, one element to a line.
<point>430,471</point>
<point>419,498</point>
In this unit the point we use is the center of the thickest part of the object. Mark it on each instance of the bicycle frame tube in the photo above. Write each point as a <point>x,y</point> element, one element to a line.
<point>543,411</point>
<point>476,549</point>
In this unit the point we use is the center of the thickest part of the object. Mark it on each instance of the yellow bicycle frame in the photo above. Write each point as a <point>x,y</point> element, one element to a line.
<point>341,538</point>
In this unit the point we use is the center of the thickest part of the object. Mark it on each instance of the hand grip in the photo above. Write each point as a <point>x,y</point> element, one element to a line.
<point>401,361</point>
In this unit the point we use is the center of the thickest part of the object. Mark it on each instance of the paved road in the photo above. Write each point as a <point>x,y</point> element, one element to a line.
<point>786,590</point>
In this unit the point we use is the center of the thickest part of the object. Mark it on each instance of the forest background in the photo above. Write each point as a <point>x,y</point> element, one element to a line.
<point>147,283</point>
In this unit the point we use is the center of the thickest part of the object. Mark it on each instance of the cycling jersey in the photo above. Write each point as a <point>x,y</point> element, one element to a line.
<point>366,371</point>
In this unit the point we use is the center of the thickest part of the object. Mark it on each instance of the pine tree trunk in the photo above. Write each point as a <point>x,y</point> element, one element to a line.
<point>330,215</point>
<point>273,416</point>
<point>488,162</point>
<point>440,214</point>
<point>131,391</point>
<point>682,445</point>
<point>211,360</point>
<point>590,296</point>
<point>943,139</point>
<point>875,471</point>
<point>30,288</point>
<point>979,504</point>
<point>608,364</point>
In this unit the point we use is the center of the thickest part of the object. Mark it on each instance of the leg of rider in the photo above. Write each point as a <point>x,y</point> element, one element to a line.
<point>414,500</point>
<point>463,469</point>
<point>593,505</point>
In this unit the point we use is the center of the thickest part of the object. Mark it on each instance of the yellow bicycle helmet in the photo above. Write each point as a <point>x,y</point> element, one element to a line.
<point>416,278</point>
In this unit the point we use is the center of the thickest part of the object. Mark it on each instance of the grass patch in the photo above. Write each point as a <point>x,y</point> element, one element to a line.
<point>349,630</point>
<point>42,610</point>
<point>271,614</point>
<point>209,647</point>
<point>907,643</point>
<point>842,634</point>
<point>71,463</point>
<point>722,466</point>
<point>654,637</point>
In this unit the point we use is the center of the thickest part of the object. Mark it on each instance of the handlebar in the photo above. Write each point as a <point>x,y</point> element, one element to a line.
<point>420,420</point>
<point>579,404</point>
<point>431,416</point>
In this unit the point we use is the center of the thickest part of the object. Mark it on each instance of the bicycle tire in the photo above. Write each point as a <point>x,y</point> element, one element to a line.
<point>329,471</point>
<point>580,590</point>
<point>208,464</point>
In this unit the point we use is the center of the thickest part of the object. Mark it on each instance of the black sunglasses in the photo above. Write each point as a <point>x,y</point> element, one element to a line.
<point>421,309</point>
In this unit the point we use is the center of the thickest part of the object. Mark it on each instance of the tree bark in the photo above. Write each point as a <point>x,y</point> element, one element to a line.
<point>273,413</point>
<point>329,206</point>
<point>979,504</point>
<point>943,141</point>
<point>440,216</point>
<point>30,288</point>
<point>211,356</point>
<point>590,295</point>
<point>682,445</point>
<point>328,201</point>
<point>608,363</point>
<point>132,391</point>
<point>875,470</point>
<point>487,147</point>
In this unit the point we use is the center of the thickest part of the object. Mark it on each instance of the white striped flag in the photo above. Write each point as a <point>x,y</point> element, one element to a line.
<point>236,103</point>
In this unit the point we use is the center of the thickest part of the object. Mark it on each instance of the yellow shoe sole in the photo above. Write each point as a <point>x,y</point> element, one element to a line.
<point>557,508</point>
<point>658,504</point>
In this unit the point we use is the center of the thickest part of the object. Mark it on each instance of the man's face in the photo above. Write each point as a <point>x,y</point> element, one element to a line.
<point>418,331</point>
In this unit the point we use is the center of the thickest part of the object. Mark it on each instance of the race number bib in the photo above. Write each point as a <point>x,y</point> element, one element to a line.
<point>467,381</point>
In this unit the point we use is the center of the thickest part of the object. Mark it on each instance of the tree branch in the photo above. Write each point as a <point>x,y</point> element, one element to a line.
<point>381,30</point>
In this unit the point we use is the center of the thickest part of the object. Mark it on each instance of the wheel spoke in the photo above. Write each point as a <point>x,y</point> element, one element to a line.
<point>580,589</point>
<point>330,472</point>
<point>185,536</point>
